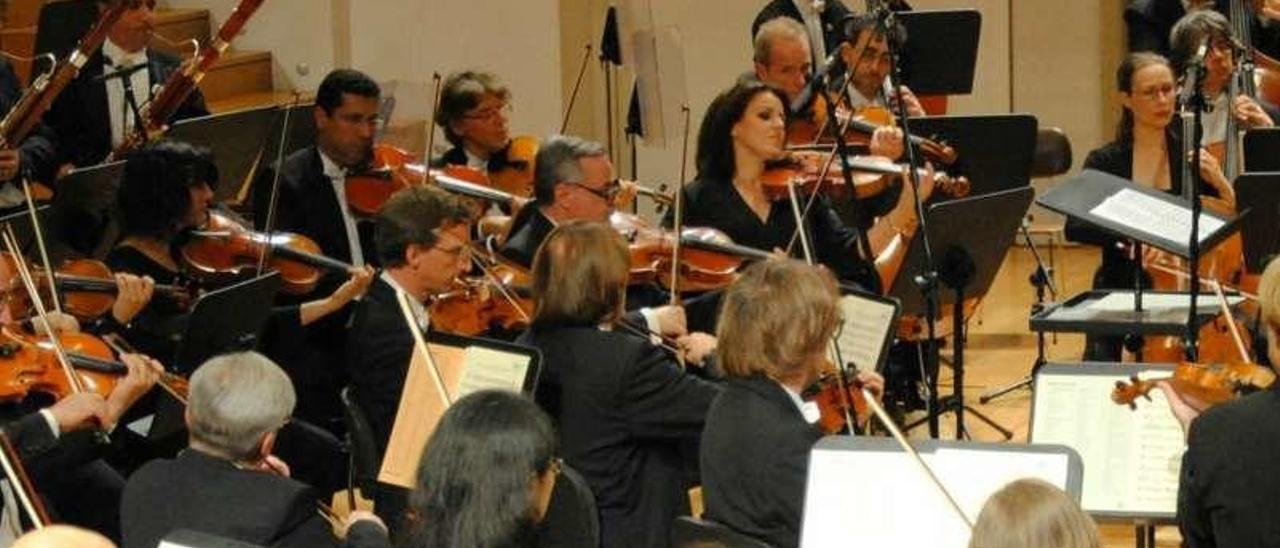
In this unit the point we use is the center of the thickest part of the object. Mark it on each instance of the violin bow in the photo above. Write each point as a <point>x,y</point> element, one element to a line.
<point>677,210</point>
<point>498,284</point>
<point>23,489</point>
<point>573,97</point>
<point>270,223</point>
<point>44,251</point>
<point>406,310</point>
<point>1231,322</point>
<point>431,122</point>
<point>42,313</point>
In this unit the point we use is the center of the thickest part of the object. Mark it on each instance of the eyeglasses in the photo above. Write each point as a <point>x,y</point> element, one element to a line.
<point>1158,91</point>
<point>608,193</point>
<point>490,114</point>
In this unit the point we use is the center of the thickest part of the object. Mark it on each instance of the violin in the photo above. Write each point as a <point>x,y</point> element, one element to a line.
<point>30,364</point>
<point>393,169</point>
<point>708,260</point>
<point>1201,385</point>
<point>818,128</point>
<point>86,288</point>
<point>223,249</point>
<point>813,171</point>
<point>499,299</point>
<point>514,172</point>
<point>835,402</point>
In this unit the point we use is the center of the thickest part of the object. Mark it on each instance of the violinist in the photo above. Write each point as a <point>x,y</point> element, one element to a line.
<point>775,331</point>
<point>474,111</point>
<point>1229,478</point>
<point>629,417</point>
<point>423,244</point>
<point>228,482</point>
<point>1220,63</point>
<point>1145,151</point>
<point>867,85</point>
<point>574,181</point>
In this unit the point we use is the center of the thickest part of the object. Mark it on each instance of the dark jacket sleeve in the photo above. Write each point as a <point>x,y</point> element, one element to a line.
<point>366,534</point>
<point>30,435</point>
<point>662,401</point>
<point>837,247</point>
<point>1193,517</point>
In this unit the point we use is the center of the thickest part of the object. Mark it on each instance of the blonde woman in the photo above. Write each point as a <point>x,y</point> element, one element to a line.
<point>1031,512</point>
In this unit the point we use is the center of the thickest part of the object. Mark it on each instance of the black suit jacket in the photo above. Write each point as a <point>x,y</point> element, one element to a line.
<point>755,460</point>
<point>628,418</point>
<point>1226,496</point>
<point>834,12</point>
<point>379,345</point>
<point>207,494</point>
<point>81,127</point>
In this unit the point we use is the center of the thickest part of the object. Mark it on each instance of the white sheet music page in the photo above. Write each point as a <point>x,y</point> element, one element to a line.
<point>492,369</point>
<point>1123,301</point>
<point>883,496</point>
<point>1154,216</point>
<point>866,324</point>
<point>1132,458</point>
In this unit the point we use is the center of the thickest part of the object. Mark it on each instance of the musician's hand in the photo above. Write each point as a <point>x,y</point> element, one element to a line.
<point>358,516</point>
<point>143,374</point>
<point>272,464</point>
<point>354,287</point>
<point>78,411</point>
<point>60,322</point>
<point>887,141</point>
<point>10,164</point>
<point>671,320</point>
<point>779,254</point>
<point>132,295</point>
<point>627,194</point>
<point>1211,172</point>
<point>1182,410</point>
<point>1250,113</point>
<point>873,382</point>
<point>914,109</point>
<point>696,347</point>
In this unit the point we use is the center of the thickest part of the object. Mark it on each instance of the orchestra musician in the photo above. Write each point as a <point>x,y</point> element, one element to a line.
<point>228,482</point>
<point>775,330</point>
<point>1227,478</point>
<point>629,417</point>
<point>35,150</point>
<point>1146,151</point>
<point>574,180</point>
<point>475,108</point>
<point>423,244</point>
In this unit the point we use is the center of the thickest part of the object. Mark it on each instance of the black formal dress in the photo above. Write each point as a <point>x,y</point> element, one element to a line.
<point>207,494</point>
<point>717,204</point>
<point>1226,494</point>
<point>761,496</point>
<point>628,420</point>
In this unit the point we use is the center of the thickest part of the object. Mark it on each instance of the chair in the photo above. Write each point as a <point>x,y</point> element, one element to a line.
<point>362,452</point>
<point>1052,156</point>
<point>688,532</point>
<point>572,519</point>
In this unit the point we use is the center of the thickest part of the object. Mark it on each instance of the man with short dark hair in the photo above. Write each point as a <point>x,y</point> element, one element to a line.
<point>423,243</point>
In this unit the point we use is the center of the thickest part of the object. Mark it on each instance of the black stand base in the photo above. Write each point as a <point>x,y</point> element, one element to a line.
<point>952,404</point>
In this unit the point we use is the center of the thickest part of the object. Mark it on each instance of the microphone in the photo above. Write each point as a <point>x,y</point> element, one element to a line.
<point>1194,71</point>
<point>120,73</point>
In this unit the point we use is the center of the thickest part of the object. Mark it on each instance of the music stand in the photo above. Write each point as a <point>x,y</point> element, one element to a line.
<point>1260,146</point>
<point>236,139</point>
<point>83,216</point>
<point>970,237</point>
<point>941,51</point>
<point>302,131</point>
<point>1259,193</point>
<point>994,151</point>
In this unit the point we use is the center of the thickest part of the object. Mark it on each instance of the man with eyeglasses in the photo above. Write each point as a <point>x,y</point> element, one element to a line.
<point>574,181</point>
<point>474,111</point>
<point>423,244</point>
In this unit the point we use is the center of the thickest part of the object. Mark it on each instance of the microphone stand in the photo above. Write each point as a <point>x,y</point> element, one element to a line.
<point>126,82</point>
<point>846,172</point>
<point>1197,104</point>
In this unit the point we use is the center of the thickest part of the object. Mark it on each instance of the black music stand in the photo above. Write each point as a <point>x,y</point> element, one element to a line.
<point>302,131</point>
<point>236,139</point>
<point>941,51</point>
<point>1260,149</point>
<point>82,220</point>
<point>1259,193</point>
<point>970,237</point>
<point>994,151</point>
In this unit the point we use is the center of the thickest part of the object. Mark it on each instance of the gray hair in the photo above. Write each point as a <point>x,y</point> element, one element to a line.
<point>557,162</point>
<point>235,400</point>
<point>778,27</point>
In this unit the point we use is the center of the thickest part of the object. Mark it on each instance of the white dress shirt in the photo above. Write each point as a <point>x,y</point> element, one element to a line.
<point>118,111</point>
<point>338,177</point>
<point>811,16</point>
<point>808,409</point>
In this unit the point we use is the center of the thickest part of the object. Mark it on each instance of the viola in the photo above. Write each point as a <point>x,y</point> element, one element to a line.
<point>30,364</point>
<point>1201,385</point>
<point>814,171</point>
<point>514,172</point>
<point>223,249</point>
<point>818,127</point>
<point>708,260</point>
<point>86,288</point>
<point>835,402</point>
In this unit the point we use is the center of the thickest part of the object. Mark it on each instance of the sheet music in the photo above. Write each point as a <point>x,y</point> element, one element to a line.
<point>866,324</point>
<point>1132,458</point>
<point>487,368</point>
<point>887,507</point>
<point>1154,216</point>
<point>1123,302</point>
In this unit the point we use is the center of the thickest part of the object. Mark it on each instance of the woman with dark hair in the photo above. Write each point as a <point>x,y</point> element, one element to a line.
<point>166,191</point>
<point>486,476</point>
<point>629,418</point>
<point>742,134</point>
<point>1146,151</point>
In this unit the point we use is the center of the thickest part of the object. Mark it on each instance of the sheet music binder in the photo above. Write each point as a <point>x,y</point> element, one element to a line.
<point>1259,193</point>
<point>994,151</point>
<point>1078,197</point>
<point>941,52</point>
<point>881,335</point>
